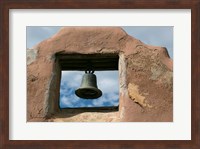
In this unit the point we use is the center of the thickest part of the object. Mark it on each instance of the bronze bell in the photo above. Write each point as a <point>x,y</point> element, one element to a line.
<point>88,89</point>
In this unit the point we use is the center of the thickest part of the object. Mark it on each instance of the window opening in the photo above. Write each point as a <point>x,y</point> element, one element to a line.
<point>73,68</point>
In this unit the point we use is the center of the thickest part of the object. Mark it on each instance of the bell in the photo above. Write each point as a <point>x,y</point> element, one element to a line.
<point>88,89</point>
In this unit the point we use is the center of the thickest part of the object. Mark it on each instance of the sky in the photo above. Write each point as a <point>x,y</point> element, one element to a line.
<point>107,81</point>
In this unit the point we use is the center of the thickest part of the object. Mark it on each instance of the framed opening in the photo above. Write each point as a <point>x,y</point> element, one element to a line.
<point>73,68</point>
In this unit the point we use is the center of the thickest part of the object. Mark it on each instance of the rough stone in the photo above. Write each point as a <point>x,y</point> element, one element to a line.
<point>136,96</point>
<point>31,55</point>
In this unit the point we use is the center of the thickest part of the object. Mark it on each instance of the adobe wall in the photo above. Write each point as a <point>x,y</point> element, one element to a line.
<point>145,75</point>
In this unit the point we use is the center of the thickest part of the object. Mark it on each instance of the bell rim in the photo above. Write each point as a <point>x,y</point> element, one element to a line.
<point>99,92</point>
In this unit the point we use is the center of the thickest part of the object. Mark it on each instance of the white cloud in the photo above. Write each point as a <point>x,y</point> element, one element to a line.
<point>66,101</point>
<point>153,35</point>
<point>106,100</point>
<point>72,78</point>
<point>108,81</point>
<point>108,85</point>
<point>36,34</point>
<point>99,102</point>
<point>113,96</point>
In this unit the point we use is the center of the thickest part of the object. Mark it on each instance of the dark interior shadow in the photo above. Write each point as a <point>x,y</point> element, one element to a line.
<point>70,112</point>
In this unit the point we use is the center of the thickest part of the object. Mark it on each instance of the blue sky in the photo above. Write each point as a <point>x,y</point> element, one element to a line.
<point>107,80</point>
